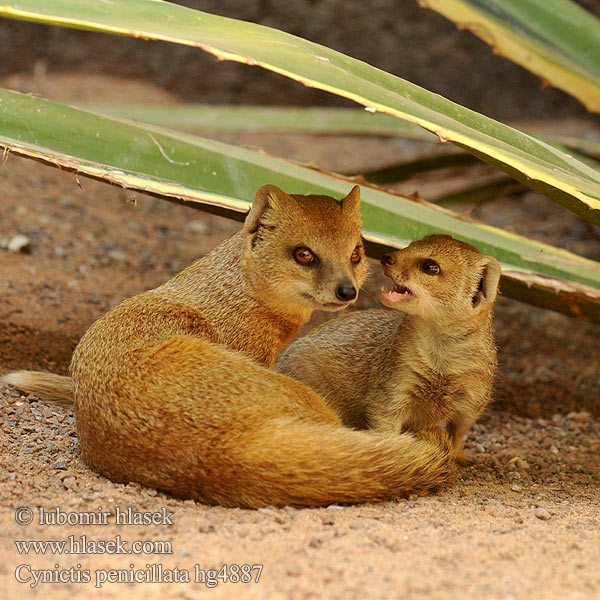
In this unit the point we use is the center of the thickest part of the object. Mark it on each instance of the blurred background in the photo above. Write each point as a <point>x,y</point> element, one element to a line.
<point>400,37</point>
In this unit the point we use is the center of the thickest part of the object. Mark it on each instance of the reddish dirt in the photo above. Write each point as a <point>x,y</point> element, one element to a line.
<point>522,521</point>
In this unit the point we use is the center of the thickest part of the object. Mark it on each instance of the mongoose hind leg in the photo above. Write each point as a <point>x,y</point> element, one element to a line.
<point>173,425</point>
<point>457,428</point>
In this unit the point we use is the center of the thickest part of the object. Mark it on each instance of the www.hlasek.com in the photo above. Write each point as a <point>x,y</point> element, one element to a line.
<point>81,544</point>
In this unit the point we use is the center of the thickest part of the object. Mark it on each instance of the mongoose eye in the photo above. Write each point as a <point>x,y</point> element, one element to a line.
<point>304,256</point>
<point>430,267</point>
<point>355,256</point>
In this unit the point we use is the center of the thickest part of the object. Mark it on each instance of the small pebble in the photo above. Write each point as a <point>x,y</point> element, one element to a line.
<point>542,513</point>
<point>581,417</point>
<point>19,243</point>
<point>117,255</point>
<point>206,527</point>
<point>69,483</point>
<point>198,227</point>
<point>516,488</point>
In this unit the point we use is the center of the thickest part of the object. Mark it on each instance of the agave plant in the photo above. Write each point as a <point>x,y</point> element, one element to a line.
<point>222,178</point>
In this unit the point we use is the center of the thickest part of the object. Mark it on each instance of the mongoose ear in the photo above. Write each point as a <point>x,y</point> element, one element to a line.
<point>487,286</point>
<point>267,196</point>
<point>351,202</point>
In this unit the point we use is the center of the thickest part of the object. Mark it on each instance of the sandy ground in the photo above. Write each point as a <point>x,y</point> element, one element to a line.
<point>523,521</point>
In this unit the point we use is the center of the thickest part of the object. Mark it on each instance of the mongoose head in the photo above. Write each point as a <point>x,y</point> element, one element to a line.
<point>305,251</point>
<point>441,279</point>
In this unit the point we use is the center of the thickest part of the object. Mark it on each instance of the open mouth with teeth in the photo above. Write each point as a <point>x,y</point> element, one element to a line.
<point>397,293</point>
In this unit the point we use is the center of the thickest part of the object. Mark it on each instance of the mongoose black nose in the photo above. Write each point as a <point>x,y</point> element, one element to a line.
<point>387,259</point>
<point>345,292</point>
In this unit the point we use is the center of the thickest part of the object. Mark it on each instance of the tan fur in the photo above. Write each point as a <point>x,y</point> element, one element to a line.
<point>55,389</point>
<point>386,370</point>
<point>173,387</point>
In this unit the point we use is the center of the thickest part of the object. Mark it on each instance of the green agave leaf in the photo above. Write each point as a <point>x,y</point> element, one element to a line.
<point>406,169</point>
<point>478,194</point>
<point>555,39</point>
<point>562,297</point>
<point>313,120</point>
<point>206,117</point>
<point>583,149</point>
<point>222,178</point>
<point>527,159</point>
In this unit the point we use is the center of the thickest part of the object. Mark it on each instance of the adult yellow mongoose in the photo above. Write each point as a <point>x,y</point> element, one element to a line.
<point>387,370</point>
<point>173,387</point>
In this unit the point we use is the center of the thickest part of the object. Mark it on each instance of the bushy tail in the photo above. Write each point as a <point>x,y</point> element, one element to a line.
<point>296,462</point>
<point>291,462</point>
<point>55,389</point>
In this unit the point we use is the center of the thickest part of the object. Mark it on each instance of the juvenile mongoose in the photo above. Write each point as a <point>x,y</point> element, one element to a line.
<point>173,387</point>
<point>385,370</point>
